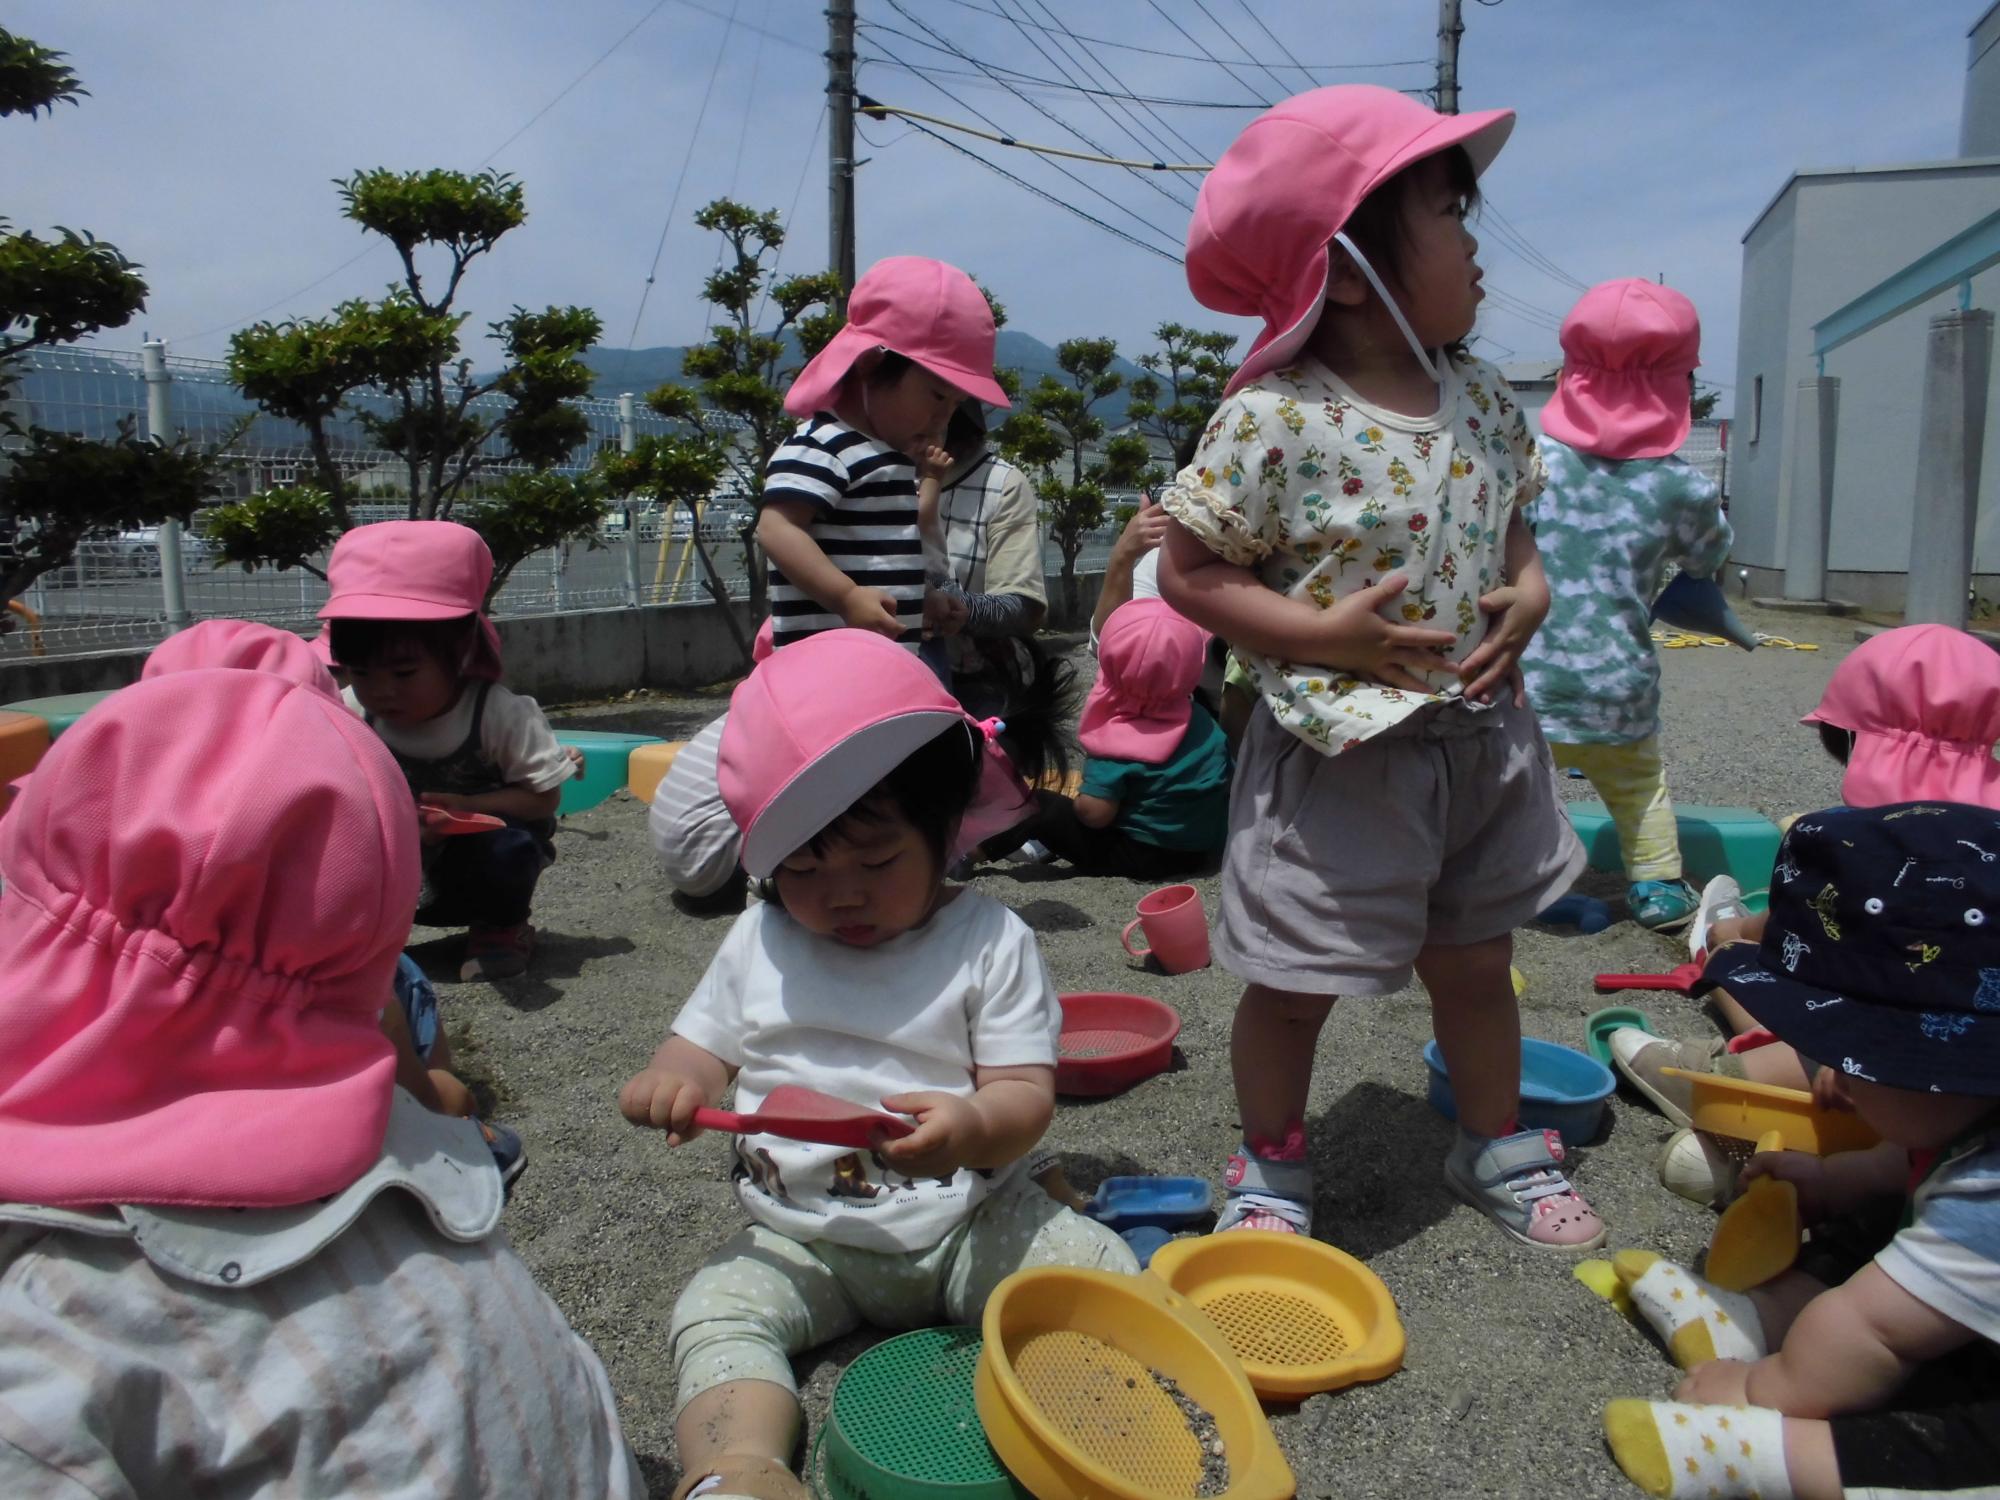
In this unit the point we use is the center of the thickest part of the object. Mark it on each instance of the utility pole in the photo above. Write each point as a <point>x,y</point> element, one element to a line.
<point>1450,29</point>
<point>840,140</point>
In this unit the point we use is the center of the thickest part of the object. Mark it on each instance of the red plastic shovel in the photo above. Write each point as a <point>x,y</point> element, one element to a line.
<point>1680,980</point>
<point>801,1114</point>
<point>445,823</point>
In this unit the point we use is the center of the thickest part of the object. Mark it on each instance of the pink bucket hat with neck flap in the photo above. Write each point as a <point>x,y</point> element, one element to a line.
<point>416,570</point>
<point>1923,704</point>
<point>1628,349</point>
<point>922,309</point>
<point>243,645</point>
<point>818,724</point>
<point>1257,246</point>
<point>1149,660</point>
<point>207,885</point>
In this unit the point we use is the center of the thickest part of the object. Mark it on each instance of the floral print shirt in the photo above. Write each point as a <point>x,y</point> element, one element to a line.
<point>1607,530</point>
<point>1320,494</point>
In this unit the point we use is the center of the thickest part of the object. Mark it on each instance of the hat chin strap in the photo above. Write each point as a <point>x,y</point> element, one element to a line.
<point>1396,312</point>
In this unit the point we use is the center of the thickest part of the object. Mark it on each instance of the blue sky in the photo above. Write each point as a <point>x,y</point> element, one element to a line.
<point>1650,136</point>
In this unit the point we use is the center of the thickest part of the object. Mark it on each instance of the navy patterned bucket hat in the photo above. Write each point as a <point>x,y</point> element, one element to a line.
<point>1882,956</point>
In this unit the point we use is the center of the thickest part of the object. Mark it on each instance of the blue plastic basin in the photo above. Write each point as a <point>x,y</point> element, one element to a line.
<point>1561,1089</point>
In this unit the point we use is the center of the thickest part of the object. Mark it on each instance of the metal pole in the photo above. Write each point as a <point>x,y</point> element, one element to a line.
<point>840,141</point>
<point>1953,433</point>
<point>1450,29</point>
<point>628,439</point>
<point>159,424</point>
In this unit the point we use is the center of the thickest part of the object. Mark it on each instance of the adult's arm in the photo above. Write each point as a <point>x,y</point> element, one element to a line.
<point>1145,531</point>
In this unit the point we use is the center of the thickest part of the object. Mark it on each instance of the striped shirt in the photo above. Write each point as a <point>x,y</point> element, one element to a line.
<point>863,495</point>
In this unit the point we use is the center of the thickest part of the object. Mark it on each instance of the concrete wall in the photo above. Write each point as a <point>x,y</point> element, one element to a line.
<point>1828,239</point>
<point>1979,115</point>
<point>556,658</point>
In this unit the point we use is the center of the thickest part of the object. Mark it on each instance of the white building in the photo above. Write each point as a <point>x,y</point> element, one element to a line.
<point>1829,235</point>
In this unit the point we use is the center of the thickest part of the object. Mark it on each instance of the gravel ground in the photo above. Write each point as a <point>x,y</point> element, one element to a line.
<point>1510,1359</point>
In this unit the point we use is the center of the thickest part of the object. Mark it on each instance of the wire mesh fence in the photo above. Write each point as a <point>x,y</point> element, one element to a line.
<point>113,593</point>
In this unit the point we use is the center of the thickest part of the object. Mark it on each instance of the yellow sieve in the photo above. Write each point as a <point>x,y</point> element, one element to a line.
<point>1301,1315</point>
<point>1095,1386</point>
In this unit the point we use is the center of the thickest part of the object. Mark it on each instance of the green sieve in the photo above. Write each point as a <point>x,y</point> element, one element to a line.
<point>903,1425</point>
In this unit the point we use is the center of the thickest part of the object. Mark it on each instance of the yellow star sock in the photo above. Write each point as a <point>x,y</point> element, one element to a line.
<point>1679,1452</point>
<point>1698,1321</point>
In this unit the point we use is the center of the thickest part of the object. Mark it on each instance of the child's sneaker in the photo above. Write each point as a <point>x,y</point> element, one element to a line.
<point>1721,897</point>
<point>1517,1181</point>
<point>1694,1166</point>
<point>1660,905</point>
<point>498,952</point>
<point>1269,1188</point>
<point>1643,1058</point>
<point>509,1154</point>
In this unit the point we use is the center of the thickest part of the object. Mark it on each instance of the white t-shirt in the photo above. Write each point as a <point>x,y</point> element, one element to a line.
<point>514,735</point>
<point>696,839</point>
<point>1949,1257</point>
<point>966,989</point>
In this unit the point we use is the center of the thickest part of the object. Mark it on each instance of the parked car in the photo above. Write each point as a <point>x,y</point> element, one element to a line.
<point>137,553</point>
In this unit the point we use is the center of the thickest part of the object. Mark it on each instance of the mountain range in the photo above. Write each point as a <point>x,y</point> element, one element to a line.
<point>640,370</point>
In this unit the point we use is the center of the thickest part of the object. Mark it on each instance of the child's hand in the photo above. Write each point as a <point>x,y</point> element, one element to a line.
<point>662,1100</point>
<point>454,1098</point>
<point>1353,637</point>
<point>1805,1172</point>
<point>1518,609</point>
<point>1720,1382</point>
<point>871,609</point>
<point>945,612</point>
<point>950,1132</point>
<point>933,462</point>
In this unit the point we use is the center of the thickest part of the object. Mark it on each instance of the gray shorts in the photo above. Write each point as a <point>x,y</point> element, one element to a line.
<point>1446,829</point>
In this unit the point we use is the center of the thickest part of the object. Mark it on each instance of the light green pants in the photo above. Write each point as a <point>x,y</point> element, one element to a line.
<point>762,1298</point>
<point>1633,785</point>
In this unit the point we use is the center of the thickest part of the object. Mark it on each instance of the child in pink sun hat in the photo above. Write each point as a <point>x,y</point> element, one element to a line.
<point>407,622</point>
<point>1352,525</point>
<point>867,977</point>
<point>1617,512</point>
<point>840,516</point>
<point>236,1258</point>
<point>1154,801</point>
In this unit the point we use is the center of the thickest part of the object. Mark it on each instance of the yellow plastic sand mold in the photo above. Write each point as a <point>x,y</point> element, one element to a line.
<point>1757,1237</point>
<point>1302,1316</point>
<point>1746,1111</point>
<point>1096,1386</point>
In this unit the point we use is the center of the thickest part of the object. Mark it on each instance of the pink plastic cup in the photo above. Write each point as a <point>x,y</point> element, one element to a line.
<point>1176,929</point>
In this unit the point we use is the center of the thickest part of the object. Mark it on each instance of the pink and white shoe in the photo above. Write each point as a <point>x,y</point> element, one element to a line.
<point>1269,1190</point>
<point>1517,1181</point>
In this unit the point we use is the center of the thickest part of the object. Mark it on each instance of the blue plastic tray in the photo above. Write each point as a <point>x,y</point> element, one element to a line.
<point>1561,1089</point>
<point>1123,1203</point>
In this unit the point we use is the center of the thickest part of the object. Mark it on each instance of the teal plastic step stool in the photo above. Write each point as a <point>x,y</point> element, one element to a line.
<point>604,768</point>
<point>61,711</point>
<point>1730,841</point>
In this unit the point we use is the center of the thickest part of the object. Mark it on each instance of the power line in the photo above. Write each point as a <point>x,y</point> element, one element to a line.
<point>1071,39</point>
<point>876,107</point>
<point>1283,87</point>
<point>1088,187</point>
<point>565,90</point>
<point>708,93</point>
<point>898,7</point>
<point>812,146</point>
<point>1045,195</point>
<point>1210,56</point>
<point>1277,41</point>
<point>1150,144</point>
<point>1101,41</point>
<point>1540,260</point>
<point>1035,81</point>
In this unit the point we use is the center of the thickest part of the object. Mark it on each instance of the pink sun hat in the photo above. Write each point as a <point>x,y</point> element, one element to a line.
<point>1628,349</point>
<point>1268,210</point>
<point>819,723</point>
<point>416,570</point>
<point>922,309</point>
<point>246,646</point>
<point>207,885</point>
<point>1149,660</point>
<point>1923,704</point>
